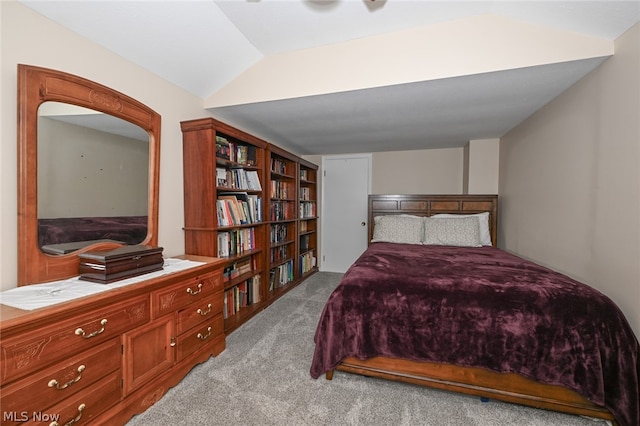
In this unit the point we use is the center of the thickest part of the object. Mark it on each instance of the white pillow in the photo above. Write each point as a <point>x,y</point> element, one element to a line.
<point>398,229</point>
<point>483,218</point>
<point>444,231</point>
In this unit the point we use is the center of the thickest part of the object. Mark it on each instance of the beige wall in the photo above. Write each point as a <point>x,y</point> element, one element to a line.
<point>28,38</point>
<point>434,171</point>
<point>481,166</point>
<point>570,181</point>
<point>109,177</point>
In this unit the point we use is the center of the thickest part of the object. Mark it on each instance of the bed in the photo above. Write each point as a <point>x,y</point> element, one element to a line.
<point>472,318</point>
<point>58,233</point>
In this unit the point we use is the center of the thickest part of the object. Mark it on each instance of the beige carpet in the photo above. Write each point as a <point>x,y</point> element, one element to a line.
<point>262,378</point>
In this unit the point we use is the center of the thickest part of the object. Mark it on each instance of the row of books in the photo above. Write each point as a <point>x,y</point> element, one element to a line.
<point>308,209</point>
<point>281,275</point>
<point>240,208</point>
<point>281,210</point>
<point>238,241</point>
<point>305,193</point>
<point>304,243</point>
<point>279,253</point>
<point>236,269</point>
<point>281,189</point>
<point>279,232</point>
<point>307,262</point>
<point>238,179</point>
<point>235,152</point>
<point>222,147</point>
<point>304,226</point>
<point>240,296</point>
<point>278,166</point>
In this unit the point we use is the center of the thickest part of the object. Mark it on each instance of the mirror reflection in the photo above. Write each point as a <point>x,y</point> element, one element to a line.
<point>93,179</point>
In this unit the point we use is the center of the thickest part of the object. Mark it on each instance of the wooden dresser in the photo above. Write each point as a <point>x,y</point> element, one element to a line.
<point>101,359</point>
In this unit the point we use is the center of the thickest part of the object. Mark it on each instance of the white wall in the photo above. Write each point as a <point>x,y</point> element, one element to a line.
<point>432,171</point>
<point>28,38</point>
<point>570,181</point>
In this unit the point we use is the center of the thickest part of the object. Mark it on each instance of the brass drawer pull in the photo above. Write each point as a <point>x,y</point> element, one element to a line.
<point>81,332</point>
<point>53,383</point>
<point>204,313</point>
<point>81,408</point>
<point>205,337</point>
<point>194,292</point>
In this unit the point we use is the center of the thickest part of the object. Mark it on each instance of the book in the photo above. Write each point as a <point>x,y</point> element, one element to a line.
<point>221,177</point>
<point>253,180</point>
<point>223,148</point>
<point>224,245</point>
<point>255,283</point>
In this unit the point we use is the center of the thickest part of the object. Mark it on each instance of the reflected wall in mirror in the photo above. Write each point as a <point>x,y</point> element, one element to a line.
<point>87,155</point>
<point>93,174</point>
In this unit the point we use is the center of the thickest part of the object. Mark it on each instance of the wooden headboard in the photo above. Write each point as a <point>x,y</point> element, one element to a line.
<point>428,205</point>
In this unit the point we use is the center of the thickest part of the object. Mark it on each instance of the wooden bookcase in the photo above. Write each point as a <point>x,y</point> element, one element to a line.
<point>281,261</point>
<point>224,210</point>
<point>258,228</point>
<point>307,218</point>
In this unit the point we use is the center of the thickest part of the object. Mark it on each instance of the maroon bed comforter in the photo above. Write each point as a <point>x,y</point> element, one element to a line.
<point>482,307</point>
<point>126,229</point>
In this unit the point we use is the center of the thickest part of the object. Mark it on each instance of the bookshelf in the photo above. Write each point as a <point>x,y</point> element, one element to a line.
<point>252,204</point>
<point>224,204</point>
<point>282,207</point>
<point>307,253</point>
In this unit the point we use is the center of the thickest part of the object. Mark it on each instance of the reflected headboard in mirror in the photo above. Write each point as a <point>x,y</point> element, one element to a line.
<point>93,153</point>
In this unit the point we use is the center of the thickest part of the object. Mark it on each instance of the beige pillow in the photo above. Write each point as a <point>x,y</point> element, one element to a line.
<point>398,229</point>
<point>483,218</point>
<point>462,232</point>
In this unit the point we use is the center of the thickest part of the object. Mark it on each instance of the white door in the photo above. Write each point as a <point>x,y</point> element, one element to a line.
<point>346,183</point>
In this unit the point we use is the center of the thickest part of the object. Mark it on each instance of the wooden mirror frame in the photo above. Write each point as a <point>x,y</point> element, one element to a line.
<point>35,86</point>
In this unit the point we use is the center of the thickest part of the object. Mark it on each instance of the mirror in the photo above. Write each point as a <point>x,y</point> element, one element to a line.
<point>88,172</point>
<point>90,191</point>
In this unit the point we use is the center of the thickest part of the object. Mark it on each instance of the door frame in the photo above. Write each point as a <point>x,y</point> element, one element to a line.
<point>366,156</point>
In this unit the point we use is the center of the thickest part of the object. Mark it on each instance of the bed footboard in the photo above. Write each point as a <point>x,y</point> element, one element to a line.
<point>510,387</point>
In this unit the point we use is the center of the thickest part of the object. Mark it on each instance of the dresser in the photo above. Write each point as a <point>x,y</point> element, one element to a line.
<point>101,359</point>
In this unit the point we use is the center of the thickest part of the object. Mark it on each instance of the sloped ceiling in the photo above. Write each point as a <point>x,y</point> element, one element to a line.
<point>341,76</point>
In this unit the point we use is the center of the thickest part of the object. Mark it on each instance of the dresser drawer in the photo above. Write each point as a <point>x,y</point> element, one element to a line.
<point>184,293</point>
<point>199,312</point>
<point>40,391</point>
<point>43,346</point>
<point>83,406</point>
<point>200,336</point>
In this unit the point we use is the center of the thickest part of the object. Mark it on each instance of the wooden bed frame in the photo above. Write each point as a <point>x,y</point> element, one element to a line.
<point>473,381</point>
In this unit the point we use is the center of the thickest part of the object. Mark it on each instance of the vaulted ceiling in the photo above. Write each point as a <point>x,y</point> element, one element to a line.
<point>341,76</point>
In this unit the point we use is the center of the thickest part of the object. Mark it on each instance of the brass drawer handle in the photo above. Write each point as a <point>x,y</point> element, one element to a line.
<point>194,292</point>
<point>81,408</point>
<point>204,313</point>
<point>205,337</point>
<point>53,383</point>
<point>81,332</point>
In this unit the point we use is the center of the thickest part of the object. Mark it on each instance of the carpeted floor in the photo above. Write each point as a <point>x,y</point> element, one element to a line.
<point>262,378</point>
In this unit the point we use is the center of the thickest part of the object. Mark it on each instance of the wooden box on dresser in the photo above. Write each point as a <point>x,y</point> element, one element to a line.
<point>100,359</point>
<point>261,270</point>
